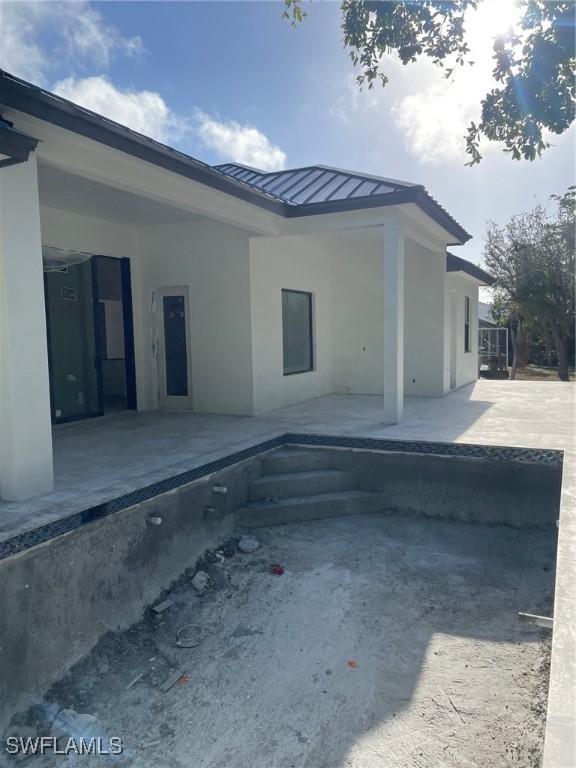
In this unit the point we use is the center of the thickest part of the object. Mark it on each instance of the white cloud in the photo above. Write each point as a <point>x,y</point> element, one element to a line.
<point>78,36</point>
<point>241,143</point>
<point>35,37</point>
<point>143,111</point>
<point>434,120</point>
<point>352,101</point>
<point>431,112</point>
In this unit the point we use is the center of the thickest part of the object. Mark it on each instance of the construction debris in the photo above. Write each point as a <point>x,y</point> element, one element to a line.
<point>163,606</point>
<point>538,621</point>
<point>200,581</point>
<point>188,636</point>
<point>133,682</point>
<point>68,722</point>
<point>248,544</point>
<point>171,680</point>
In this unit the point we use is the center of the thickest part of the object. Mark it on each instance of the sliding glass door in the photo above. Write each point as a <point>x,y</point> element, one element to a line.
<point>72,358</point>
<point>90,338</point>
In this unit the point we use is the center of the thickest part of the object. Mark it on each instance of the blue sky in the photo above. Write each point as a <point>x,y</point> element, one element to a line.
<point>232,80</point>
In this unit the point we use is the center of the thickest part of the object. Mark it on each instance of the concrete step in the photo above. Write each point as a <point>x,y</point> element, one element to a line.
<point>300,484</point>
<point>296,509</point>
<point>286,460</point>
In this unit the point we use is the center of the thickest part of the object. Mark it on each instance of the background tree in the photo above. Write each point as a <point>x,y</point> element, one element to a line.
<point>534,66</point>
<point>532,259</point>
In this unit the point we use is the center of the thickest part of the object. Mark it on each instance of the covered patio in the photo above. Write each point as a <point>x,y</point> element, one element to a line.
<point>152,281</point>
<point>113,261</point>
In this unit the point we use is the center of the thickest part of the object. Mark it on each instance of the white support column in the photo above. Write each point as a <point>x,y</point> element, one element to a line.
<point>393,322</point>
<point>25,428</point>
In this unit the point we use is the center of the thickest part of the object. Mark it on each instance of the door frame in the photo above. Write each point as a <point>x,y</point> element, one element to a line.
<point>129,351</point>
<point>173,402</point>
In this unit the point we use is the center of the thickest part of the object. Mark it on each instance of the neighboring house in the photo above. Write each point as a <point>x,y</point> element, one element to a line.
<point>485,319</point>
<point>162,282</point>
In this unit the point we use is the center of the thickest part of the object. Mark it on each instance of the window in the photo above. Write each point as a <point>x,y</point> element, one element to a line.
<point>175,352</point>
<point>297,332</point>
<point>467,324</point>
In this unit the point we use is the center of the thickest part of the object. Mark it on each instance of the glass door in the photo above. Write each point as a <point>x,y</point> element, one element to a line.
<point>90,338</point>
<point>175,374</point>
<point>72,356</point>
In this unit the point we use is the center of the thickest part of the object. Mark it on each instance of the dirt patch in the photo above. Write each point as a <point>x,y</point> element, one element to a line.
<point>537,373</point>
<point>380,642</point>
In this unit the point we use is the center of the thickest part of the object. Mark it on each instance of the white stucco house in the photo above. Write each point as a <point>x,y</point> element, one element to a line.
<point>134,276</point>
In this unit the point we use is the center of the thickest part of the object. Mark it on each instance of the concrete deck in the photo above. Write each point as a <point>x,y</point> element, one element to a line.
<point>103,458</point>
<point>99,459</point>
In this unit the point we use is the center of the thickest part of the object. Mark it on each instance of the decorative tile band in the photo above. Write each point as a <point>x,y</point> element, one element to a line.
<point>48,531</point>
<point>489,452</point>
<point>51,530</point>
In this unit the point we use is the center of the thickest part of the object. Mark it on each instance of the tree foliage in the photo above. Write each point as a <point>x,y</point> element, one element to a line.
<point>534,66</point>
<point>532,260</point>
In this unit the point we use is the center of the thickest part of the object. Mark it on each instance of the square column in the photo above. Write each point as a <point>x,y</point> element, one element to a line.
<point>25,425</point>
<point>393,322</point>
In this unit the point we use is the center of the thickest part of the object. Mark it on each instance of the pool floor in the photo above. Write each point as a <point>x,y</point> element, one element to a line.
<point>387,642</point>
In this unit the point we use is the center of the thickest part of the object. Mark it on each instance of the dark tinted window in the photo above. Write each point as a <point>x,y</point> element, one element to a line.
<point>175,346</point>
<point>297,331</point>
<point>466,324</point>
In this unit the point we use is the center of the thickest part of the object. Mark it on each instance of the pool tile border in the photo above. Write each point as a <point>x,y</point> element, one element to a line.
<point>43,533</point>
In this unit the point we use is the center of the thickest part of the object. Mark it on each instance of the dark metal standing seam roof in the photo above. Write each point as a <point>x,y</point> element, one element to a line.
<point>458,264</point>
<point>315,183</point>
<point>319,189</point>
<point>300,192</point>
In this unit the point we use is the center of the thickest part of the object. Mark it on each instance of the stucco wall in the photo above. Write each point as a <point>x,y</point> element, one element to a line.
<point>235,283</point>
<point>212,260</point>
<point>66,230</point>
<point>25,431</point>
<point>346,277</point>
<point>424,281</point>
<point>358,317</point>
<point>294,263</point>
<point>458,287</point>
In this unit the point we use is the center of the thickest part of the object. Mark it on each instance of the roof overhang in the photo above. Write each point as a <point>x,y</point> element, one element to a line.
<point>458,264</point>
<point>15,146</point>
<point>39,103</point>
<point>416,195</point>
<point>35,101</point>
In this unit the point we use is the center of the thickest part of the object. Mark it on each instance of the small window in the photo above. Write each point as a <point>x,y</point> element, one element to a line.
<point>297,332</point>
<point>467,324</point>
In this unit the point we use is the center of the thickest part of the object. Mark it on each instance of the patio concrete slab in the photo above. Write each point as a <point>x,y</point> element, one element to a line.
<point>100,459</point>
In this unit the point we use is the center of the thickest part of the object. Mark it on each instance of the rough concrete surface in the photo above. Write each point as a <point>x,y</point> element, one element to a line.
<point>58,599</point>
<point>388,642</point>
